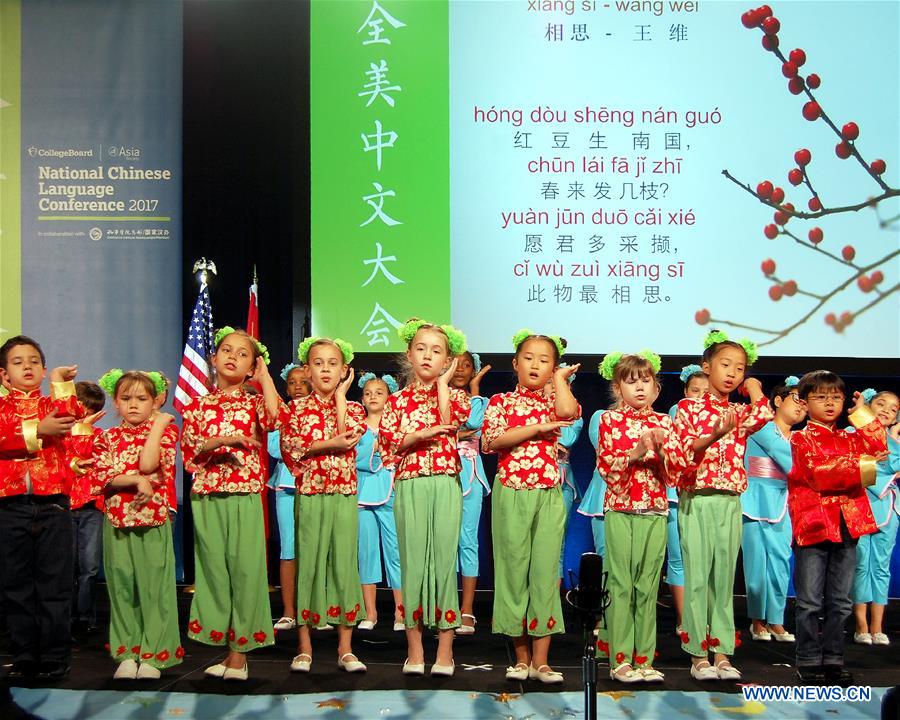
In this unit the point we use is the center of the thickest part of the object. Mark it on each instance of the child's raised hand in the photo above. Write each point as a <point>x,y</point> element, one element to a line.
<point>725,424</point>
<point>345,384</point>
<point>752,388</point>
<point>563,373</point>
<point>63,373</point>
<point>348,439</point>
<point>858,401</point>
<point>445,377</point>
<point>162,419</point>
<point>260,371</point>
<point>550,430</point>
<point>52,425</point>
<point>91,419</point>
<point>475,382</point>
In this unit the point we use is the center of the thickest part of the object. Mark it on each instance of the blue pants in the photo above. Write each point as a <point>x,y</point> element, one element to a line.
<point>873,564</point>
<point>87,530</point>
<point>674,564</point>
<point>468,531</point>
<point>598,530</point>
<point>766,548</point>
<point>568,500</point>
<point>284,511</point>
<point>377,531</point>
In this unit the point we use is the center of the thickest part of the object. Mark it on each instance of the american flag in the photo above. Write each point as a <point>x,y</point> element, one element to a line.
<point>194,377</point>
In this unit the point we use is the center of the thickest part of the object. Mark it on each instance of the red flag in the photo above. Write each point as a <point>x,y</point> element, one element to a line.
<point>253,310</point>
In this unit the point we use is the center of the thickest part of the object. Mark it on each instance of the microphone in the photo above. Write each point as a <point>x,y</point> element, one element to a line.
<point>589,595</point>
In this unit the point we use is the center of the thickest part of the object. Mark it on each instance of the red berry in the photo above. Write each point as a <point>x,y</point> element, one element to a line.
<point>865,283</point>
<point>816,235</point>
<point>701,316</point>
<point>748,20</point>
<point>814,204</point>
<point>764,189</point>
<point>838,326</point>
<point>788,206</point>
<point>789,69</point>
<point>795,176</point>
<point>776,293</point>
<point>790,288</point>
<point>798,57</point>
<point>764,12</point>
<point>848,253</point>
<point>770,42</point>
<point>813,81</point>
<point>780,217</point>
<point>878,166</point>
<point>812,111</point>
<point>842,150</point>
<point>795,84</point>
<point>770,231</point>
<point>777,196</point>
<point>771,26</point>
<point>768,266</point>
<point>846,318</point>
<point>877,276</point>
<point>830,319</point>
<point>803,157</point>
<point>850,131</point>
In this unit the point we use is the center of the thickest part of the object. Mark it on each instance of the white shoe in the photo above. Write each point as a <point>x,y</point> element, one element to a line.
<point>366,625</point>
<point>727,673</point>
<point>783,637</point>
<point>548,676</point>
<point>399,626</point>
<point>286,623</point>
<point>351,666</point>
<point>127,670</point>
<point>302,663</point>
<point>215,671</point>
<point>467,629</point>
<point>704,673</point>
<point>147,672</point>
<point>678,631</point>
<point>862,638</point>
<point>413,668</point>
<point>443,670</point>
<point>651,675</point>
<point>880,639</point>
<point>324,627</point>
<point>765,635</point>
<point>517,672</point>
<point>239,674</point>
<point>629,676</point>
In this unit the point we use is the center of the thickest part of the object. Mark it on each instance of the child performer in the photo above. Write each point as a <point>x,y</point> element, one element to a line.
<point>829,512</point>
<point>35,524</point>
<point>418,430</point>
<point>766,528</point>
<point>696,384</point>
<point>87,509</point>
<point>220,442</point>
<point>135,468</point>
<point>282,482</point>
<point>638,454</point>
<point>595,495</point>
<point>528,515</point>
<point>475,486</point>
<point>873,552</point>
<point>375,496</point>
<point>568,436</point>
<point>714,434</point>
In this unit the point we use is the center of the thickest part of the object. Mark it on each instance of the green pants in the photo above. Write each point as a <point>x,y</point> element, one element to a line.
<point>710,527</point>
<point>139,564</point>
<point>636,549</point>
<point>527,528</point>
<point>231,601</point>
<point>328,589</point>
<point>428,512</point>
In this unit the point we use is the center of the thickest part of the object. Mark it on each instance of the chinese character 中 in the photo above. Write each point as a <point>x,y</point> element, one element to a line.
<point>378,141</point>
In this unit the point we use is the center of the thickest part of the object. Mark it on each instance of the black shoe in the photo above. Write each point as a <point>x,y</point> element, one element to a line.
<point>23,669</point>
<point>53,670</point>
<point>836,675</point>
<point>811,674</point>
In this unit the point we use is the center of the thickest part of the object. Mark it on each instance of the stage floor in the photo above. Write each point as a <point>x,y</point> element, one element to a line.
<point>478,688</point>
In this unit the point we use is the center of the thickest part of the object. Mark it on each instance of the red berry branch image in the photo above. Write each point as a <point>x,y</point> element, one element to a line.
<point>832,303</point>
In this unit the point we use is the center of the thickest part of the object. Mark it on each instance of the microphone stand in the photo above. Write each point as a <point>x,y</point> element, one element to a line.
<point>589,617</point>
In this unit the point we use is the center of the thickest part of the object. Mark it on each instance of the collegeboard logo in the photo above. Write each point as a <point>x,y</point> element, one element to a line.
<point>60,152</point>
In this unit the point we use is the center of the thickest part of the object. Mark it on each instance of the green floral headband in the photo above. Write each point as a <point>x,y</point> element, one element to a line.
<point>224,332</point>
<point>456,339</point>
<point>607,367</point>
<point>304,347</point>
<point>110,379</point>
<point>714,337</point>
<point>525,333</point>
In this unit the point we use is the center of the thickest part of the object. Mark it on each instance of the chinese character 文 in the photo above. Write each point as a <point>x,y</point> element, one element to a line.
<point>376,200</point>
<point>375,23</point>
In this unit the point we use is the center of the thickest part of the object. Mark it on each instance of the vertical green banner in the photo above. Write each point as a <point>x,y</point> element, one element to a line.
<point>379,97</point>
<point>10,209</point>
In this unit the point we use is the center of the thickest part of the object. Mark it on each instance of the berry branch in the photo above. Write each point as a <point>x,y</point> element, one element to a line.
<point>867,277</point>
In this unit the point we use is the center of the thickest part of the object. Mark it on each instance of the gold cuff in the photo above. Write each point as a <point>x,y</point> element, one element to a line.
<point>861,417</point>
<point>29,431</point>
<point>62,390</point>
<point>81,428</point>
<point>867,470</point>
<point>76,468</point>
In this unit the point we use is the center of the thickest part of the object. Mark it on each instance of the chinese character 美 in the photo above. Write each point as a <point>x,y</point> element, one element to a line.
<point>549,190</point>
<point>521,140</point>
<point>660,244</point>
<point>379,262</point>
<point>378,326</point>
<point>536,294</point>
<point>560,139</point>
<point>376,200</point>
<point>673,141</point>
<point>642,32</point>
<point>562,293</point>
<point>378,84</point>
<point>378,138</point>
<point>588,294</point>
<point>533,243</point>
<point>621,294</point>
<point>579,32</point>
<point>554,33</point>
<point>678,32</point>
<point>597,243</point>
<point>565,243</point>
<point>375,23</point>
<point>628,244</point>
<point>640,141</point>
<point>651,294</point>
